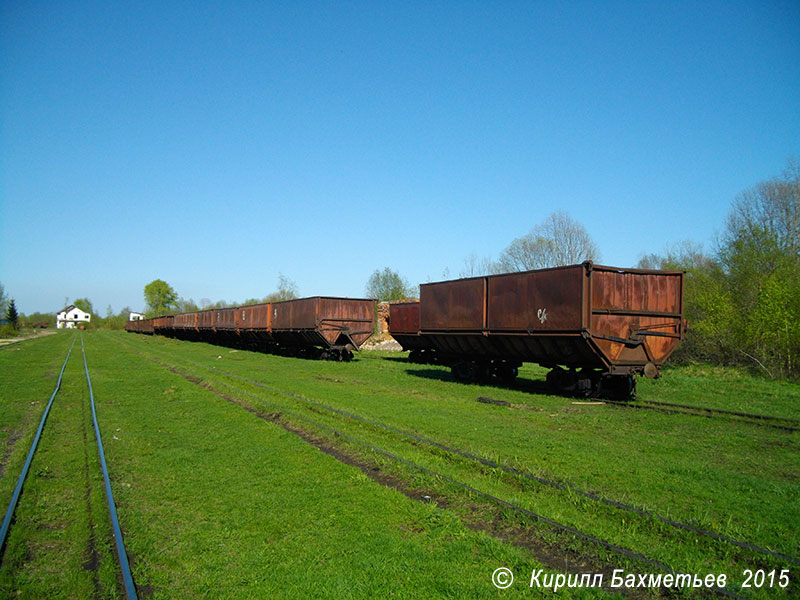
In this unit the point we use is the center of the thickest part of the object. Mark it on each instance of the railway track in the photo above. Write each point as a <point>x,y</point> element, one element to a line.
<point>179,365</point>
<point>783,423</point>
<point>122,557</point>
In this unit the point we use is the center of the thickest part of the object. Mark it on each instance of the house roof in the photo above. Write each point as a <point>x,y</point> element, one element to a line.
<point>66,309</point>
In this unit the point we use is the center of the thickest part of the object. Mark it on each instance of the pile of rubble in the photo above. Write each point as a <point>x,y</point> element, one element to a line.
<point>382,342</point>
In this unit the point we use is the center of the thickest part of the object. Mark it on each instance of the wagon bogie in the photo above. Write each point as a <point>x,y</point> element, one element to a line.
<point>482,370</point>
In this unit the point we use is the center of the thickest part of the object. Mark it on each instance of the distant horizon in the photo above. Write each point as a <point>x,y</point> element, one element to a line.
<point>217,147</point>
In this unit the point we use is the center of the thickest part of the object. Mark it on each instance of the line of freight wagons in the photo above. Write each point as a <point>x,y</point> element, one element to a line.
<point>594,326</point>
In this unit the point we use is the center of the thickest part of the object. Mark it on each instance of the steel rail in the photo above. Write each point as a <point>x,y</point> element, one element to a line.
<point>127,578</point>
<point>489,463</point>
<point>724,411</point>
<point>706,413</point>
<point>25,468</point>
<point>619,550</point>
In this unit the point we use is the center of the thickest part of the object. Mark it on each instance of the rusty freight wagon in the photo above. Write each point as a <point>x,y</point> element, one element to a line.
<point>404,328</point>
<point>594,326</point>
<point>140,326</point>
<point>163,325</point>
<point>323,326</point>
<point>184,326</point>
<point>337,326</point>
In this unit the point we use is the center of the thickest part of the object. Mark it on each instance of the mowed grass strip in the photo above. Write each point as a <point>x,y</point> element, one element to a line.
<point>59,544</point>
<point>733,478</point>
<point>216,502</point>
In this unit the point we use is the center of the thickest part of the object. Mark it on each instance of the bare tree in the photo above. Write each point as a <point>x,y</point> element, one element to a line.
<point>558,241</point>
<point>287,290</point>
<point>475,266</point>
<point>686,255</point>
<point>770,209</point>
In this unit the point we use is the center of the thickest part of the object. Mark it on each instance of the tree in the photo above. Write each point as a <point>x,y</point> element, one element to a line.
<point>85,305</point>
<point>37,319</point>
<point>760,254</point>
<point>558,241</point>
<point>3,300</point>
<point>187,306</point>
<point>159,298</point>
<point>287,290</point>
<point>118,321</point>
<point>388,285</point>
<point>475,267</point>
<point>770,209</point>
<point>12,315</point>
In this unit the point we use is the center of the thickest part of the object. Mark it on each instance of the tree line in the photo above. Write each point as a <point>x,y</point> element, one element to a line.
<point>742,300</point>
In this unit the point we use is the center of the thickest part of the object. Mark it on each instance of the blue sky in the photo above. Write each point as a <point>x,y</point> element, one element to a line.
<point>216,145</point>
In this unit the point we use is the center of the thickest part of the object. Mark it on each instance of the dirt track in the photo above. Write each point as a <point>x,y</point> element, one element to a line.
<point>7,341</point>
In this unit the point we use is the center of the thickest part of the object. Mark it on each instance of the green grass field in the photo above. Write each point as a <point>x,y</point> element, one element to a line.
<point>245,475</point>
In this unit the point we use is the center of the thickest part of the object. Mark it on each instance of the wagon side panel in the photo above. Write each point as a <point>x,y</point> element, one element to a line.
<point>536,301</point>
<point>457,305</point>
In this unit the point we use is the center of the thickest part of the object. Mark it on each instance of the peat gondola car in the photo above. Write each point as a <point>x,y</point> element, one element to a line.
<point>594,326</point>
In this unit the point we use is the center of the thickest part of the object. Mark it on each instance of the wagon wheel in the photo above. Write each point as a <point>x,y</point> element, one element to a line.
<point>507,373</point>
<point>463,371</point>
<point>482,371</point>
<point>618,387</point>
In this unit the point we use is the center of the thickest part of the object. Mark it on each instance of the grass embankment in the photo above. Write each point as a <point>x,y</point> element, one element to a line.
<point>215,502</point>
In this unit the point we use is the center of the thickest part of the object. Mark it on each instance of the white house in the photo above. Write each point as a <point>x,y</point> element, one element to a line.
<point>70,317</point>
<point>134,316</point>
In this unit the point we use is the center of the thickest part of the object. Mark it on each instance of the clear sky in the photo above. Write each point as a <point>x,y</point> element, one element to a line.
<point>216,145</point>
